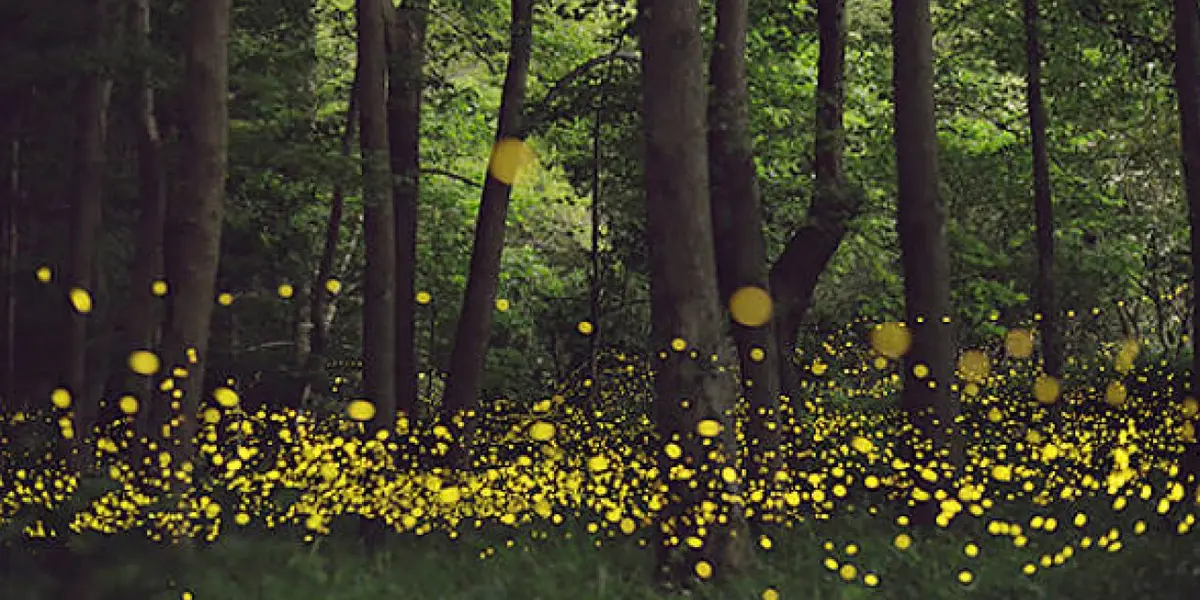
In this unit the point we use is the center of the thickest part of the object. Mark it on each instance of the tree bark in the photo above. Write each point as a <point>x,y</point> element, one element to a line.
<point>143,313</point>
<point>473,333</point>
<point>379,292</point>
<point>405,85</point>
<point>921,227</point>
<point>1052,358</point>
<point>87,197</point>
<point>741,254</point>
<point>689,386</point>
<point>795,273</point>
<point>193,218</point>
<point>1187,88</point>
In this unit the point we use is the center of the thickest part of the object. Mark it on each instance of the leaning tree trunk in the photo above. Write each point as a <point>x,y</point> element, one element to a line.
<point>1052,358</point>
<point>693,398</point>
<point>1187,87</point>
<point>193,219</point>
<point>795,273</point>
<point>405,83</point>
<point>320,296</point>
<point>920,222</point>
<point>92,100</point>
<point>474,330</point>
<point>379,292</point>
<point>741,254</point>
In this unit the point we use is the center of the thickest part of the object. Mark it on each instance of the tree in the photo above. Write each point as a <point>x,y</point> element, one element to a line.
<point>92,99</point>
<point>406,53</point>
<point>794,275</point>
<point>473,332</point>
<point>143,315</point>
<point>686,313</point>
<point>1052,359</point>
<point>193,219</point>
<point>379,226</point>
<point>741,255</point>
<point>920,222</point>
<point>1187,88</point>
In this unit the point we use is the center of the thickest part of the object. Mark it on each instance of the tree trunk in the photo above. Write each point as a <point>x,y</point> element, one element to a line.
<point>929,364</point>
<point>1187,87</point>
<point>741,255</point>
<point>379,292</point>
<point>795,273</point>
<point>685,304</point>
<point>10,191</point>
<point>473,334</point>
<point>87,196</point>
<point>193,218</point>
<point>320,299</point>
<point>143,314</point>
<point>1052,358</point>
<point>405,85</point>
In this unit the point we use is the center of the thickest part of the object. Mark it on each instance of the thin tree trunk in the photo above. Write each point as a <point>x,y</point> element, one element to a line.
<point>795,273</point>
<point>595,280</point>
<point>193,218</point>
<point>741,255</point>
<point>405,85</point>
<point>320,299</point>
<point>929,364</point>
<point>1052,358</point>
<point>1187,87</point>
<point>10,191</point>
<point>473,334</point>
<point>143,315</point>
<point>685,305</point>
<point>379,290</point>
<point>92,100</point>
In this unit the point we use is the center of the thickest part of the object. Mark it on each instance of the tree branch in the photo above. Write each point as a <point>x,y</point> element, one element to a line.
<point>539,113</point>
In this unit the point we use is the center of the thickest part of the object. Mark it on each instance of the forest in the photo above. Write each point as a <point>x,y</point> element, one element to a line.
<point>782,299</point>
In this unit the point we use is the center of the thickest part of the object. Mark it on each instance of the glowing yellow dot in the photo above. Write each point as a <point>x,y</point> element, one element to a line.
<point>703,570</point>
<point>225,299</point>
<point>891,339</point>
<point>848,572</point>
<point>286,290</point>
<point>751,306</point>
<point>974,366</point>
<point>128,405</point>
<point>502,305</point>
<point>862,444</point>
<point>971,550</point>
<point>158,288</point>
<point>871,580</point>
<point>757,354</point>
<point>1019,343</point>
<point>143,362</point>
<point>965,577</point>
<point>819,368</point>
<point>903,541</point>
<point>509,158</point>
<point>585,328</point>
<point>449,495</point>
<point>770,594</point>
<point>333,286</point>
<point>1116,393</point>
<point>225,397</point>
<point>678,345</point>
<point>212,416</point>
<point>60,398</point>
<point>361,410</point>
<point>708,428</point>
<point>1046,389</point>
<point>597,463</point>
<point>423,298</point>
<point>920,370</point>
<point>541,431</point>
<point>44,274</point>
<point>673,451</point>
<point>81,300</point>
<point>242,519</point>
